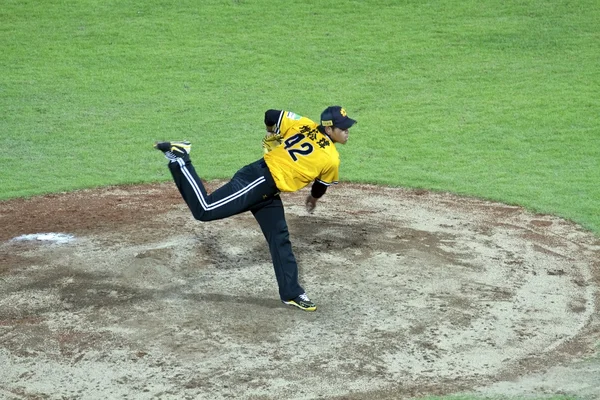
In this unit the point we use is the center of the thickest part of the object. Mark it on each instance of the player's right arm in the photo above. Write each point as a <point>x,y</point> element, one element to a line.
<point>317,191</point>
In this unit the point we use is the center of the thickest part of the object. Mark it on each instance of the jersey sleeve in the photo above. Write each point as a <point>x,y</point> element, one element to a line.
<point>318,189</point>
<point>284,121</point>
<point>272,117</point>
<point>329,175</point>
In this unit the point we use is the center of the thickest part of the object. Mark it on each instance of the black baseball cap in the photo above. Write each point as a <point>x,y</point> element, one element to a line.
<point>336,116</point>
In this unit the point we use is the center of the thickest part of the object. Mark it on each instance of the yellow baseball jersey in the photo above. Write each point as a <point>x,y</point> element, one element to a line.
<point>304,155</point>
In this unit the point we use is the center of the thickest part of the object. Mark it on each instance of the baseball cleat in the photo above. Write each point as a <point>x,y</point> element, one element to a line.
<point>302,302</point>
<point>175,150</point>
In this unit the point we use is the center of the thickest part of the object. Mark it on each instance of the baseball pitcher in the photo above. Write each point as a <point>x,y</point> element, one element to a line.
<point>297,152</point>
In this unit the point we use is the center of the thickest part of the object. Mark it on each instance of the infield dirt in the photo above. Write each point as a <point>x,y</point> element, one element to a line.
<point>419,293</point>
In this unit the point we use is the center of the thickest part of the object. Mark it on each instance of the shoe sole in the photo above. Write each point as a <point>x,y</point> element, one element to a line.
<point>169,146</point>
<point>293,303</point>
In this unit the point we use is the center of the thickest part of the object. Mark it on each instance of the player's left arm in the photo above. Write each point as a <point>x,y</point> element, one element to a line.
<point>280,124</point>
<point>284,123</point>
<point>273,121</point>
<point>273,138</point>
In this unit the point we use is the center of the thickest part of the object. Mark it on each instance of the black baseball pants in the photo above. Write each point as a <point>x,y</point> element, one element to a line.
<point>251,189</point>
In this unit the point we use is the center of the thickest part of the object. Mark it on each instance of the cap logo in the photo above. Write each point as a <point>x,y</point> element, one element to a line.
<point>327,123</point>
<point>343,112</point>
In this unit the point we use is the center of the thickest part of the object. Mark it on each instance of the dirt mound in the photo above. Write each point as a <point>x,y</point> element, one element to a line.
<point>418,293</point>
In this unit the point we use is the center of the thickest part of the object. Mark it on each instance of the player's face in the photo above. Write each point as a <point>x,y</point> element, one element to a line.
<point>339,135</point>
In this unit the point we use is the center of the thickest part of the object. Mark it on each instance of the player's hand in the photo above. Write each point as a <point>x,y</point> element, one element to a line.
<point>311,203</point>
<point>270,141</point>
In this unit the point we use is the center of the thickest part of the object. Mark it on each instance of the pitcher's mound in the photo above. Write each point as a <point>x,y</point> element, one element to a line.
<point>417,293</point>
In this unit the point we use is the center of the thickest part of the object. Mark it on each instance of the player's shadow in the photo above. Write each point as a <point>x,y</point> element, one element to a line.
<point>227,298</point>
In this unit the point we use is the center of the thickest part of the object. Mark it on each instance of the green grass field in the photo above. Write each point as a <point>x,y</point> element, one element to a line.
<point>494,99</point>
